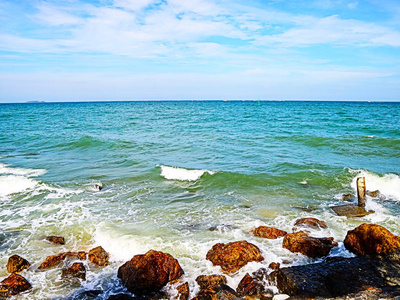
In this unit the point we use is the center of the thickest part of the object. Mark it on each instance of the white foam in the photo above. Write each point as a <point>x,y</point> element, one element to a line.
<point>175,173</point>
<point>388,184</point>
<point>5,169</point>
<point>13,184</point>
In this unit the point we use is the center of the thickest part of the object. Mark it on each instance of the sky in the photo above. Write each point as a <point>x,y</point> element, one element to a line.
<point>101,50</point>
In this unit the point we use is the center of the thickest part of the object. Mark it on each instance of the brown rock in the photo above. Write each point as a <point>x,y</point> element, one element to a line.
<point>268,232</point>
<point>219,292</point>
<point>183,291</point>
<point>210,281</point>
<point>13,285</point>
<point>373,194</point>
<point>248,286</point>
<point>371,239</point>
<point>233,256</point>
<point>52,260</point>
<point>307,245</point>
<point>77,270</point>
<point>56,239</point>
<point>148,273</point>
<point>274,266</point>
<point>99,256</point>
<point>17,264</point>
<point>311,223</point>
<point>349,197</point>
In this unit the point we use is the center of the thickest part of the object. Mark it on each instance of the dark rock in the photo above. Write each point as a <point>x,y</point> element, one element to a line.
<point>233,256</point>
<point>183,291</point>
<point>121,297</point>
<point>77,270</point>
<point>371,239</point>
<point>17,264</point>
<point>221,292</point>
<point>268,232</point>
<point>338,276</point>
<point>248,286</point>
<point>56,239</point>
<point>308,223</point>
<point>307,245</point>
<point>210,281</point>
<point>350,211</point>
<point>148,273</point>
<point>373,194</point>
<point>88,295</point>
<point>99,256</point>
<point>98,186</point>
<point>349,197</point>
<point>13,285</point>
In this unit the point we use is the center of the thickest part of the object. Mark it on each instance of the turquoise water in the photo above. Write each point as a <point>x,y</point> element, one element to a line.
<point>172,170</point>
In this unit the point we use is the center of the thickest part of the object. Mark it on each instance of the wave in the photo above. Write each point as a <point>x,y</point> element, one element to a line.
<point>7,170</point>
<point>388,184</point>
<point>181,174</point>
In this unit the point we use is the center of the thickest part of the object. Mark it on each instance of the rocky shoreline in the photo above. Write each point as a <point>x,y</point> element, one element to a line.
<point>374,273</point>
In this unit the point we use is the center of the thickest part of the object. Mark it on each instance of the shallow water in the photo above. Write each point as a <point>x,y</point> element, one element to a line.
<point>172,170</point>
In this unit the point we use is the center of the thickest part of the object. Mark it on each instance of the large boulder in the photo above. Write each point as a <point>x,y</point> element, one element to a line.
<point>268,232</point>
<point>308,223</point>
<point>13,285</point>
<point>148,273</point>
<point>233,256</point>
<point>310,246</point>
<point>99,256</point>
<point>338,276</point>
<point>17,264</point>
<point>371,239</point>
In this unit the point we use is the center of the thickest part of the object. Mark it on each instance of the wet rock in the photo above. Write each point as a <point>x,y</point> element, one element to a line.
<point>183,291</point>
<point>219,292</point>
<point>99,256</point>
<point>77,270</point>
<point>56,239</point>
<point>349,197</point>
<point>210,281</point>
<point>371,239</point>
<point>248,286</point>
<point>308,223</point>
<point>17,264</point>
<point>338,276</point>
<point>351,211</point>
<point>52,260</point>
<point>98,186</point>
<point>88,295</point>
<point>274,266</point>
<point>14,285</point>
<point>268,232</point>
<point>121,297</point>
<point>148,273</point>
<point>307,245</point>
<point>233,256</point>
<point>373,194</point>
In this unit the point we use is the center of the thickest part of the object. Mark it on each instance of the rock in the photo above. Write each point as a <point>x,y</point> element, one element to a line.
<point>121,297</point>
<point>17,264</point>
<point>148,273</point>
<point>56,239</point>
<point>52,260</point>
<point>371,239</point>
<point>233,256</point>
<point>307,245</point>
<point>219,292</point>
<point>99,256</point>
<point>248,286</point>
<point>210,281</point>
<point>274,266</point>
<point>183,291</point>
<point>77,270</point>
<point>311,223</point>
<point>13,285</point>
<point>338,276</point>
<point>98,186</point>
<point>88,295</point>
<point>373,194</point>
<point>351,211</point>
<point>268,232</point>
<point>349,197</point>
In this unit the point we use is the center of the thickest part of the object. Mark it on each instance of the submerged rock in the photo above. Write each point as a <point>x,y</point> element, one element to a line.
<point>268,232</point>
<point>233,256</point>
<point>309,246</point>
<point>148,273</point>
<point>308,223</point>
<point>99,256</point>
<point>17,264</point>
<point>13,285</point>
<point>349,197</point>
<point>371,239</point>
<point>338,276</point>
<point>77,270</point>
<point>56,239</point>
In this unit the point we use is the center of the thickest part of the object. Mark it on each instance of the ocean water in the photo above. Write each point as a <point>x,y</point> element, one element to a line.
<point>172,170</point>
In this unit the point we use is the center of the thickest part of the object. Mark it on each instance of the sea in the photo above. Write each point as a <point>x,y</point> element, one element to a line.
<point>181,176</point>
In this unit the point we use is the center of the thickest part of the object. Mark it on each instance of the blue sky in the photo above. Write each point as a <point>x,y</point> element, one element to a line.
<point>76,50</point>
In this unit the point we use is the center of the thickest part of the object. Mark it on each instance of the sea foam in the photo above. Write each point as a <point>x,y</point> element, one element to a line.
<point>175,173</point>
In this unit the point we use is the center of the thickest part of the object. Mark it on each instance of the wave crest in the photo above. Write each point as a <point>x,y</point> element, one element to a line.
<point>181,174</point>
